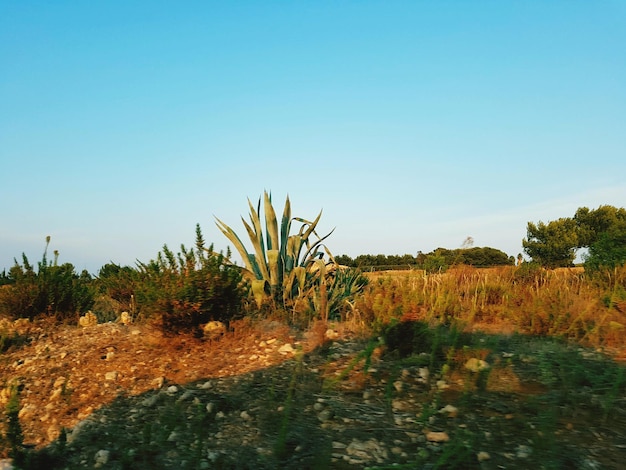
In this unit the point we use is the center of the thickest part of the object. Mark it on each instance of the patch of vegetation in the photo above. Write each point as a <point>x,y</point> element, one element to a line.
<point>53,290</point>
<point>190,288</point>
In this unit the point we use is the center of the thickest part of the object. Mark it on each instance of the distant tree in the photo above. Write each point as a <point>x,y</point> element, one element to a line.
<point>553,244</point>
<point>593,223</point>
<point>475,256</point>
<point>435,262</point>
<point>608,250</point>
<point>484,256</point>
<point>345,260</point>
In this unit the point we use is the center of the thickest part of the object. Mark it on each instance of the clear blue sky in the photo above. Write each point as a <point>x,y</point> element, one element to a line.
<point>412,124</point>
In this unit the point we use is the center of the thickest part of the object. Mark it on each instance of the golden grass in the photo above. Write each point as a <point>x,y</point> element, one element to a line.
<point>562,302</point>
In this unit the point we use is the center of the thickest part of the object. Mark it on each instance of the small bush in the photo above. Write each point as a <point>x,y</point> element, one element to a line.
<point>53,290</point>
<point>190,288</point>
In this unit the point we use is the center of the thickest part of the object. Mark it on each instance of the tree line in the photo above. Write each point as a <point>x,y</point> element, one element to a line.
<point>437,260</point>
<point>601,232</point>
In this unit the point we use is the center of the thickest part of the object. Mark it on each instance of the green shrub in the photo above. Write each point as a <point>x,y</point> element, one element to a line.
<point>53,289</point>
<point>435,263</point>
<point>190,288</point>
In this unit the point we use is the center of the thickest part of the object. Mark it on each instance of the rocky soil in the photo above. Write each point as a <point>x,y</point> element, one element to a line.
<point>265,396</point>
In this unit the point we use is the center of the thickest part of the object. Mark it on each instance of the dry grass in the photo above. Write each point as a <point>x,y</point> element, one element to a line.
<point>563,302</point>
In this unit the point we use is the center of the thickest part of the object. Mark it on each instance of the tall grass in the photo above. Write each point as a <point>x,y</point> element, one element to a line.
<point>527,299</point>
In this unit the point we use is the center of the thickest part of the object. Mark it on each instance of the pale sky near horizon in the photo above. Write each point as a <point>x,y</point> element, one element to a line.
<point>412,124</point>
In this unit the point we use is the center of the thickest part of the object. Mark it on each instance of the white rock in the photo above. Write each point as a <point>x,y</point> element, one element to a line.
<point>476,365</point>
<point>331,334</point>
<point>89,319</point>
<point>286,348</point>
<point>434,436</point>
<point>111,376</point>
<point>150,401</point>
<point>324,415</point>
<point>102,457</point>
<point>442,385</point>
<point>214,329</point>
<point>125,318</point>
<point>59,382</point>
<point>449,410</point>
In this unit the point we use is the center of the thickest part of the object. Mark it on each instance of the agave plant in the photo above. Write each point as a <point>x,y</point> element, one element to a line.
<point>283,266</point>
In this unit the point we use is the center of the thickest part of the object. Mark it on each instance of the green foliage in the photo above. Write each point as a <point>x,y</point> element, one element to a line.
<point>609,249</point>
<point>52,289</point>
<point>435,263</point>
<point>13,439</point>
<point>553,244</point>
<point>378,261</point>
<point>528,273</point>
<point>592,224</point>
<point>189,288</point>
<point>290,270</point>
<point>601,230</point>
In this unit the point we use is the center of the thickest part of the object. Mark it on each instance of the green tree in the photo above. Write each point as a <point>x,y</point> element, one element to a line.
<point>593,223</point>
<point>608,250</point>
<point>435,262</point>
<point>553,244</point>
<point>345,260</point>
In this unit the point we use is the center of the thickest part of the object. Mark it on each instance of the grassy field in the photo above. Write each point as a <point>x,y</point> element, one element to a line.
<point>513,367</point>
<point>562,303</point>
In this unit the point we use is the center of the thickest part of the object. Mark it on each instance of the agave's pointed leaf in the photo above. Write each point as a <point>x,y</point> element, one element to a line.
<point>259,250</point>
<point>318,266</point>
<point>239,246</point>
<point>285,226</point>
<point>272,263</point>
<point>310,226</point>
<point>290,287</point>
<point>300,274</point>
<point>271,225</point>
<point>259,291</point>
<point>255,219</point>
<point>313,248</point>
<point>285,266</point>
<point>294,245</point>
